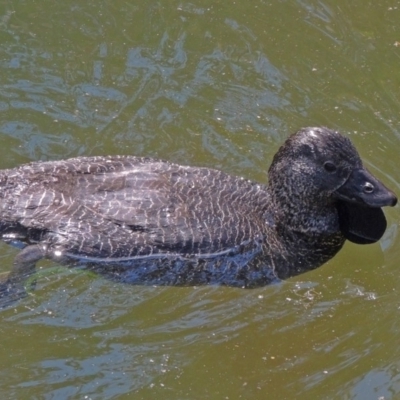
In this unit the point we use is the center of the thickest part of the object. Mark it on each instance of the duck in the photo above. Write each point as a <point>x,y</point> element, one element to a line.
<point>145,221</point>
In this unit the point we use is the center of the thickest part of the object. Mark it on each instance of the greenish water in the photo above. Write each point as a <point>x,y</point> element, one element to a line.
<point>218,84</point>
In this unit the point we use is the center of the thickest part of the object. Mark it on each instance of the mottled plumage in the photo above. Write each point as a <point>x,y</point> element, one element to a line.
<point>140,220</point>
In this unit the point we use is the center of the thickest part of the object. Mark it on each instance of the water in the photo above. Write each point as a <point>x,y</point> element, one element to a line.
<point>218,84</point>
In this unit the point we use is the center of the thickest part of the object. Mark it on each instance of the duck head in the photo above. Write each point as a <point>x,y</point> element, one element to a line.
<point>330,174</point>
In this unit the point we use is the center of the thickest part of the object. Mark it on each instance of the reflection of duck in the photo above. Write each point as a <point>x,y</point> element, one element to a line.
<point>142,220</point>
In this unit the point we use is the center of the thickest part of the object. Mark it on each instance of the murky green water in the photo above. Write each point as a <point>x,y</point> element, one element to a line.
<point>219,84</point>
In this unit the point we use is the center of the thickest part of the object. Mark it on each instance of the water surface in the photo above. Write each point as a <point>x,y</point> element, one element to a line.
<point>217,84</point>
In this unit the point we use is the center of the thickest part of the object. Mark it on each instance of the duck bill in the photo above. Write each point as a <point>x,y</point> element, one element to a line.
<point>364,189</point>
<point>359,202</point>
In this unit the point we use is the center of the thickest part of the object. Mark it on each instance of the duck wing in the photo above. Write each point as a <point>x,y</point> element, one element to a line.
<point>126,206</point>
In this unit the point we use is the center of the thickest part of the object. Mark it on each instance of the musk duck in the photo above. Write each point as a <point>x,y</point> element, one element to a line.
<point>146,221</point>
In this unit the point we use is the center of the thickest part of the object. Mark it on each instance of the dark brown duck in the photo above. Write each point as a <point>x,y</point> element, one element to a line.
<point>139,220</point>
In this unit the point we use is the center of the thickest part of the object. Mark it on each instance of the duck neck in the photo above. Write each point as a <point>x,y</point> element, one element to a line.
<point>314,218</point>
<point>309,233</point>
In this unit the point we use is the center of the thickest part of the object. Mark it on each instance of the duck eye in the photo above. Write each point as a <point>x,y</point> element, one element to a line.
<point>330,167</point>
